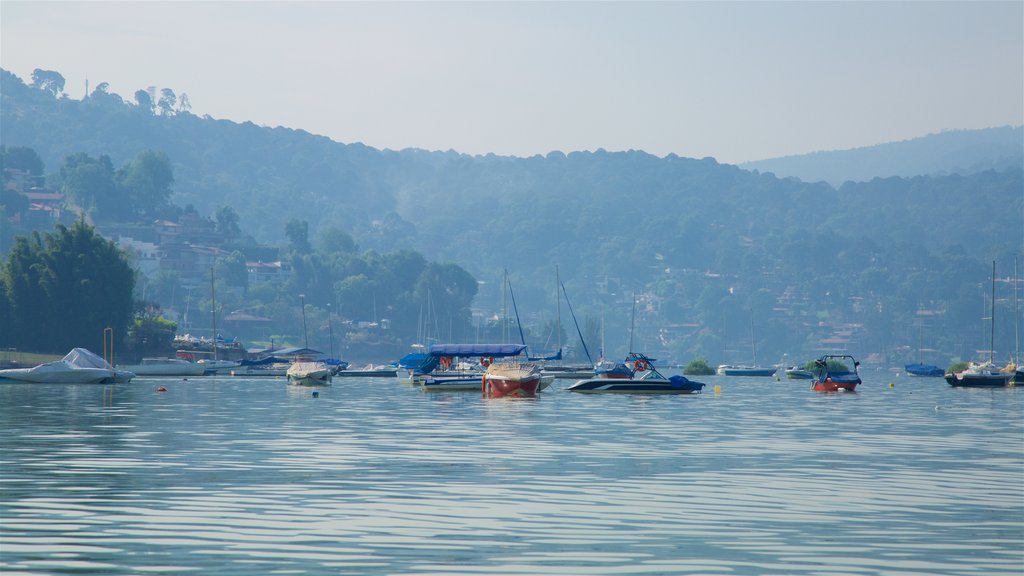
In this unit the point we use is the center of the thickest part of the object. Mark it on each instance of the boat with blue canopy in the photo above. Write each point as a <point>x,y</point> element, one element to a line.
<point>448,355</point>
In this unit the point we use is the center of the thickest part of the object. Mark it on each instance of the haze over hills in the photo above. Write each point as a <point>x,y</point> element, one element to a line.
<point>948,152</point>
<point>708,245</point>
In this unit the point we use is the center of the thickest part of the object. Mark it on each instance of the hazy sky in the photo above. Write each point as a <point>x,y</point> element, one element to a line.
<point>737,81</point>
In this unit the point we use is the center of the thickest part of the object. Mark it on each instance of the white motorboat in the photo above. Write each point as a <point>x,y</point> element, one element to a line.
<point>166,367</point>
<point>79,366</point>
<point>309,374</point>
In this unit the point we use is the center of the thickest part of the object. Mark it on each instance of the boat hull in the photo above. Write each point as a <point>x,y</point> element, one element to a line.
<point>745,371</point>
<point>834,386</point>
<point>631,386</point>
<point>799,375</point>
<point>384,373</point>
<point>498,387</point>
<point>980,380</point>
<point>309,380</point>
<point>76,376</point>
<point>451,384</point>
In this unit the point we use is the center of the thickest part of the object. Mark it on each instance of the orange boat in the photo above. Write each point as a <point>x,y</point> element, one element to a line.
<point>834,375</point>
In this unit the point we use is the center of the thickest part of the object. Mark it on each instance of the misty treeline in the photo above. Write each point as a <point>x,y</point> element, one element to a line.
<point>330,272</point>
<point>707,248</point>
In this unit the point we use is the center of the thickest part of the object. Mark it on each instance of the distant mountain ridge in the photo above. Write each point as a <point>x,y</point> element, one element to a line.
<point>949,152</point>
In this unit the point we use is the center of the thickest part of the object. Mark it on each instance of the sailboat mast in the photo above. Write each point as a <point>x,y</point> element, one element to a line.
<point>1016,318</point>
<point>632,324</point>
<point>992,334</point>
<point>213,311</point>
<point>558,309</point>
<point>753,341</point>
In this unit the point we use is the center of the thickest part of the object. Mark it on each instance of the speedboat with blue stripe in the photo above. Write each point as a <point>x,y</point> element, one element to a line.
<point>644,378</point>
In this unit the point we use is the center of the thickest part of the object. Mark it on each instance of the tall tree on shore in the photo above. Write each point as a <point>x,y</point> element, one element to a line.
<point>65,288</point>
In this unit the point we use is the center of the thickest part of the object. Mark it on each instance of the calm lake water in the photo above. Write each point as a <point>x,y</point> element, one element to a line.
<point>251,476</point>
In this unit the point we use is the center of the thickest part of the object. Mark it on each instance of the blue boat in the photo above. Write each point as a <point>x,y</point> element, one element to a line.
<point>643,378</point>
<point>924,370</point>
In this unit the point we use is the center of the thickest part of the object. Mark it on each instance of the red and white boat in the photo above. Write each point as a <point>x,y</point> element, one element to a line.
<point>511,379</point>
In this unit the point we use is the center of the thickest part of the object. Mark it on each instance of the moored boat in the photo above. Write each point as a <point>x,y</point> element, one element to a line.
<point>369,371</point>
<point>518,379</point>
<point>741,370</point>
<point>644,378</point>
<point>984,374</point>
<point>980,375</point>
<point>834,375</point>
<point>797,373</point>
<point>455,375</point>
<point>164,366</point>
<point>924,370</point>
<point>79,366</point>
<point>309,374</point>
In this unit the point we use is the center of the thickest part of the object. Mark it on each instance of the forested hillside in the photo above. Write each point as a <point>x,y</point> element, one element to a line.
<point>952,152</point>
<point>708,247</point>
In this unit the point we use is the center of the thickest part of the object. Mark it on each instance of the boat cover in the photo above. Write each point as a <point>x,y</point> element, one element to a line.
<point>924,370</point>
<point>412,360</point>
<point>468,350</point>
<point>82,358</point>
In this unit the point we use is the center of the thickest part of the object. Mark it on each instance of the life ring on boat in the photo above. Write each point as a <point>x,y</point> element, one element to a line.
<point>446,362</point>
<point>641,365</point>
<point>485,362</point>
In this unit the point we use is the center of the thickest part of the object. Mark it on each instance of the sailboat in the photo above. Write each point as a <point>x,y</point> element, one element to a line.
<point>920,368</point>
<point>745,370</point>
<point>983,374</point>
<point>565,370</point>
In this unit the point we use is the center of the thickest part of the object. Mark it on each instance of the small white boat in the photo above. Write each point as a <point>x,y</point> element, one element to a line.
<point>309,374</point>
<point>211,366</point>
<point>79,366</point>
<point>166,367</point>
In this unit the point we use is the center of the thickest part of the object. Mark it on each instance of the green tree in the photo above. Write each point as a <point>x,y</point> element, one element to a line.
<point>144,100</point>
<point>13,202</point>
<point>146,182</point>
<point>297,233</point>
<point>21,158</point>
<point>150,334</point>
<point>66,287</point>
<point>227,222</point>
<point>231,268</point>
<point>166,102</point>
<point>48,81</point>
<point>90,183</point>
